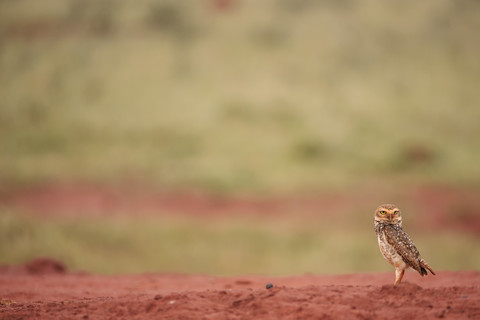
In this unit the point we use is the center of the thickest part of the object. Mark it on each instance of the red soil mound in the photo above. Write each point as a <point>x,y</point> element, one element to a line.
<point>37,266</point>
<point>45,266</point>
<point>450,295</point>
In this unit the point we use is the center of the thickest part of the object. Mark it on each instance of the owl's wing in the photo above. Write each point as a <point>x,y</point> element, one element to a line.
<point>404,246</point>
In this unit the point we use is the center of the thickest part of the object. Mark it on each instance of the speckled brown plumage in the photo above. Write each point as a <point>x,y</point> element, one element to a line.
<point>395,244</point>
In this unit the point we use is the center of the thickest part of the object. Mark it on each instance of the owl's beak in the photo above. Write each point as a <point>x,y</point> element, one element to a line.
<point>390,216</point>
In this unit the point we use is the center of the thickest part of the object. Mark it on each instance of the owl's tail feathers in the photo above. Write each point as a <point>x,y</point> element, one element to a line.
<point>424,267</point>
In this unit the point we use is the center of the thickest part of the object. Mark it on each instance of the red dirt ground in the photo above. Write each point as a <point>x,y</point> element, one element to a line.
<point>42,289</point>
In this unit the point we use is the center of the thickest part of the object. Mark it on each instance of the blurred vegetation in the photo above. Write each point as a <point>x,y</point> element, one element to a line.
<point>239,95</point>
<point>231,96</point>
<point>226,248</point>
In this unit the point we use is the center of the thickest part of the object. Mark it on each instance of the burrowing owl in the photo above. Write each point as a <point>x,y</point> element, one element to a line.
<point>395,244</point>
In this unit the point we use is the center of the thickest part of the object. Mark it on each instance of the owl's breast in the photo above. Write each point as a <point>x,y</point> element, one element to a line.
<point>390,254</point>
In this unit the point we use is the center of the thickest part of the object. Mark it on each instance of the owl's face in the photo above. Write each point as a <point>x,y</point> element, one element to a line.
<point>388,213</point>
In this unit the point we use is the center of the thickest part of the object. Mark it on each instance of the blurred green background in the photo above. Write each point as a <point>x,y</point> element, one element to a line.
<point>236,97</point>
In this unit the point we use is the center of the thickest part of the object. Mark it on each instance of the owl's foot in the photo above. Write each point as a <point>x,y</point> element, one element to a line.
<point>398,276</point>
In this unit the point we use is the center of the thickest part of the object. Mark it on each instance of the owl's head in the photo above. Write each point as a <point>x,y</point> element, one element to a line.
<point>389,214</point>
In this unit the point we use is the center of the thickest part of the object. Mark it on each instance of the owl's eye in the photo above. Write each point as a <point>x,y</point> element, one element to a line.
<point>383,212</point>
<point>395,212</point>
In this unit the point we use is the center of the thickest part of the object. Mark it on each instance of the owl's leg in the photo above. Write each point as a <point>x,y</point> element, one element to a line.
<point>398,276</point>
